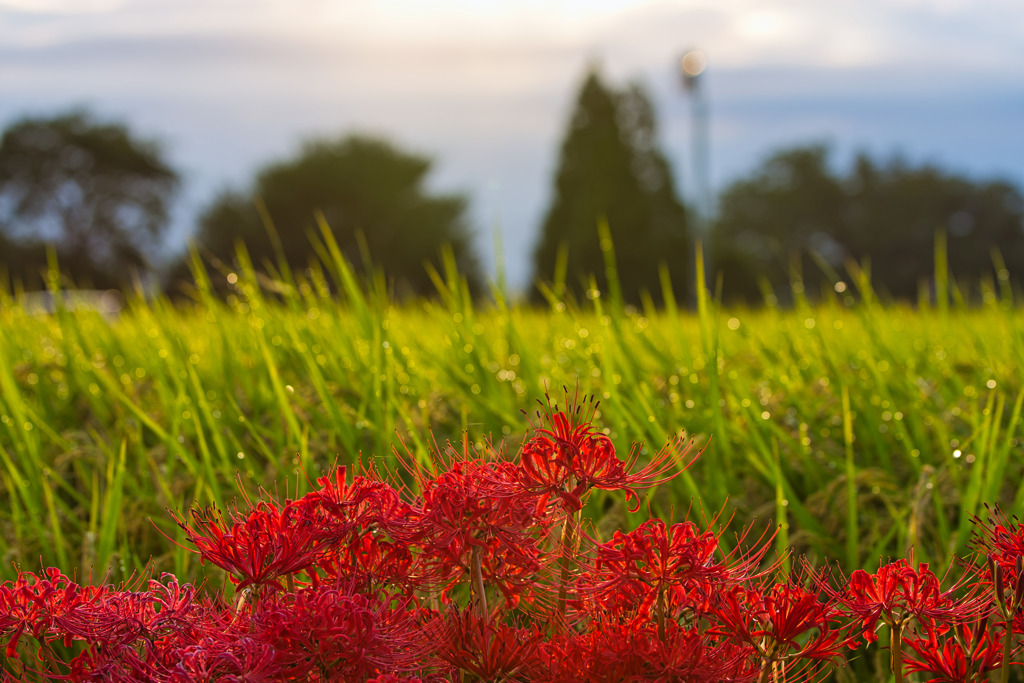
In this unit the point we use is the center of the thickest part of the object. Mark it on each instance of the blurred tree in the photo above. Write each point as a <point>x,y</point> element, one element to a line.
<point>90,189</point>
<point>894,210</point>
<point>788,206</point>
<point>363,186</point>
<point>22,265</point>
<point>611,169</point>
<point>795,211</point>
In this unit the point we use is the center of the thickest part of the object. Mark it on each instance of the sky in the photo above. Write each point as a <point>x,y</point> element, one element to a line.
<point>486,87</point>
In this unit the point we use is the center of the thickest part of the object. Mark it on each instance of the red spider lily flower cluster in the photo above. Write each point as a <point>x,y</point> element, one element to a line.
<point>486,569</point>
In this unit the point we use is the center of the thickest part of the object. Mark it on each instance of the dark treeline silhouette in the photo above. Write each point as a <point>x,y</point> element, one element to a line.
<point>97,197</point>
<point>794,216</point>
<point>90,189</point>
<point>611,170</point>
<point>370,195</point>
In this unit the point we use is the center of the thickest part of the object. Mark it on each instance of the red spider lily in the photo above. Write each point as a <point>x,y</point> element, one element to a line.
<point>1001,540</point>
<point>568,456</point>
<point>120,617</point>
<point>641,570</point>
<point>215,658</point>
<point>32,604</point>
<point>336,633</point>
<point>343,585</point>
<point>656,554</point>
<point>961,654</point>
<point>272,543</point>
<point>368,502</point>
<point>372,562</point>
<point>339,497</point>
<point>260,548</point>
<point>217,644</point>
<point>624,652</point>
<point>897,592</point>
<point>1000,537</point>
<point>489,649</point>
<point>513,574</point>
<point>110,664</point>
<point>783,622</point>
<point>473,507</point>
<point>665,573</point>
<point>467,507</point>
<point>327,632</point>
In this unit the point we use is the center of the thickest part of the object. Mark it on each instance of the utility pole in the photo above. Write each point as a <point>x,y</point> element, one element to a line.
<point>691,67</point>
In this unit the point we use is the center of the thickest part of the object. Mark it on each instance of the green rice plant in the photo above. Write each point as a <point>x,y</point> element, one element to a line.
<point>867,427</point>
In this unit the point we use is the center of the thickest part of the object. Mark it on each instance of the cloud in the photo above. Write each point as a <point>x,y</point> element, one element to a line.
<point>736,33</point>
<point>62,6</point>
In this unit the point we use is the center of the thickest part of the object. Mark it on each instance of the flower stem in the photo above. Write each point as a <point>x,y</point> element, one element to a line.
<point>1004,673</point>
<point>478,588</point>
<point>661,613</point>
<point>896,650</point>
<point>566,545</point>
<point>478,583</point>
<point>1009,610</point>
<point>768,665</point>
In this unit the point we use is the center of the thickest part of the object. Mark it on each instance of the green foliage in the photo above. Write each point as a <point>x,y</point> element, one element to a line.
<point>611,171</point>
<point>796,216</point>
<point>90,188</point>
<point>372,196</point>
<point>865,429</point>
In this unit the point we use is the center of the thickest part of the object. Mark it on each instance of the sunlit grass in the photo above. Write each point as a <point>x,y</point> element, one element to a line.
<point>864,429</point>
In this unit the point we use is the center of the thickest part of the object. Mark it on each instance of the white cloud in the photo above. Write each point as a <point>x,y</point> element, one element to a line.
<point>735,33</point>
<point>62,6</point>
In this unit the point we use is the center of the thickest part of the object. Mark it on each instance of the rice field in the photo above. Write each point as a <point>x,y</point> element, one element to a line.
<point>864,430</point>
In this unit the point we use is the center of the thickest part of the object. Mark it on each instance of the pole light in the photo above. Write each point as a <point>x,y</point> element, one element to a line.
<point>692,66</point>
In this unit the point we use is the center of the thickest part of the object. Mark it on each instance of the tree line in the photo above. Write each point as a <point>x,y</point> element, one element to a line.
<point>97,197</point>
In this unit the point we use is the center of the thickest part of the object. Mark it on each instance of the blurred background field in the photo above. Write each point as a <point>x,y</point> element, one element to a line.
<point>864,429</point>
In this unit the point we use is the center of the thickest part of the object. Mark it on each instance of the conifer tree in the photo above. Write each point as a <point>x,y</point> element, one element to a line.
<point>612,170</point>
